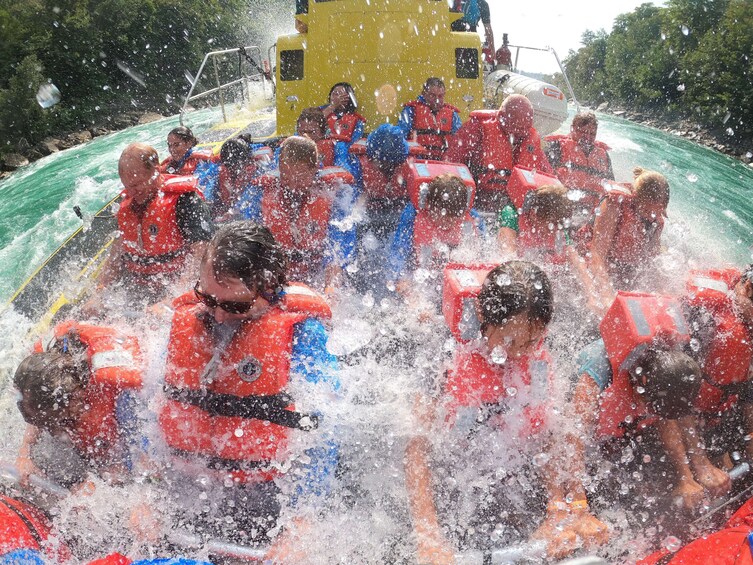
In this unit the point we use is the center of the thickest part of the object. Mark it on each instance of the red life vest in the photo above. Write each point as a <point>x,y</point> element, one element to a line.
<point>343,128</point>
<point>498,156</point>
<point>460,287</point>
<point>482,392</point>
<point>730,546</point>
<point>326,150</point>
<point>24,527</point>
<point>187,165</point>
<point>152,243</point>
<point>115,363</point>
<point>729,355</point>
<point>112,559</point>
<point>431,129</point>
<point>377,185</point>
<point>201,414</point>
<point>633,322</point>
<point>523,180</point>
<point>304,236</point>
<point>578,169</point>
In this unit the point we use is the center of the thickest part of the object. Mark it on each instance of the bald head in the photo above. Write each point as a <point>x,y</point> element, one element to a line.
<point>516,115</point>
<point>138,172</point>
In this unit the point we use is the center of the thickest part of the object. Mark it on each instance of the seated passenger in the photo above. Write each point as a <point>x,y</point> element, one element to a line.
<point>308,210</point>
<point>429,121</point>
<point>185,159</point>
<point>162,222</point>
<point>237,171</point>
<point>431,226</point>
<point>579,160</point>
<point>493,415</point>
<point>626,232</point>
<point>313,124</point>
<point>77,398</point>
<point>492,143</point>
<point>345,125</point>
<point>382,183</point>
<point>240,344</point>
<point>636,389</point>
<point>719,306</point>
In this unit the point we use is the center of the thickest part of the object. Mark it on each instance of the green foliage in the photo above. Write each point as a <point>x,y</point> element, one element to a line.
<point>690,57</point>
<point>20,115</point>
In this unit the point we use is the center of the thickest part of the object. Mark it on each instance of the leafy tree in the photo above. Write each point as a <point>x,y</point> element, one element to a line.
<point>586,67</point>
<point>20,114</point>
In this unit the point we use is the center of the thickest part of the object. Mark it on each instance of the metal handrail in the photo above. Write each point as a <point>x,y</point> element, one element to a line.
<point>214,55</point>
<point>559,63</point>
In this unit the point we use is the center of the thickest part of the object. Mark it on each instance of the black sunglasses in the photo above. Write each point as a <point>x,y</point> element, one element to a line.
<point>229,306</point>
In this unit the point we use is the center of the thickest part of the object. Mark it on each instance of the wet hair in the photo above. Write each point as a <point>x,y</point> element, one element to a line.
<point>248,252</point>
<point>747,274</point>
<point>448,195</point>
<point>235,152</point>
<point>433,81</point>
<point>185,134</point>
<point>513,288</point>
<point>147,154</point>
<point>669,381</point>
<point>350,106</point>
<point>297,149</point>
<point>585,119</point>
<point>313,115</point>
<point>650,186</point>
<point>549,203</point>
<point>46,382</point>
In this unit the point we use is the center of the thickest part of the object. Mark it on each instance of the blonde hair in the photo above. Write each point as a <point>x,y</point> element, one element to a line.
<point>301,150</point>
<point>550,203</point>
<point>650,186</point>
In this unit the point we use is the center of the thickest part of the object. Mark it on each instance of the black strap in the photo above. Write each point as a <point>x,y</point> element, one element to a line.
<point>222,464</point>
<point>28,523</point>
<point>268,408</point>
<point>432,132</point>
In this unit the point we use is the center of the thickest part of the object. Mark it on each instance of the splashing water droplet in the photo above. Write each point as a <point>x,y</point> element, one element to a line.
<point>695,345</point>
<point>538,285</point>
<point>730,131</point>
<point>498,355</point>
<point>638,370</point>
<point>680,88</point>
<point>48,95</point>
<point>511,391</point>
<point>685,30</point>
<point>647,459</point>
<point>640,390</point>
<point>569,497</point>
<point>503,280</point>
<point>692,177</point>
<point>238,432</point>
<point>672,543</point>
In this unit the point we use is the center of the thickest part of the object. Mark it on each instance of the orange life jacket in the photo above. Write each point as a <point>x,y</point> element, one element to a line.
<point>152,243</point>
<point>342,128</point>
<point>729,355</point>
<point>238,416</point>
<point>460,287</point>
<point>730,546</point>
<point>377,185</point>
<point>187,165</point>
<point>326,150</point>
<point>631,324</point>
<point>498,157</point>
<point>481,392</point>
<point>302,237</point>
<point>115,363</point>
<point>24,527</point>
<point>431,129</point>
<point>578,169</point>
<point>523,181</point>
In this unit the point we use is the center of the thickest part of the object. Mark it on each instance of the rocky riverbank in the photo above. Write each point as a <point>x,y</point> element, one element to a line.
<point>26,153</point>
<point>719,140</point>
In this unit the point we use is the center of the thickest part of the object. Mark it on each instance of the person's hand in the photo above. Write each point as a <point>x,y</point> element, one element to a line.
<point>433,549</point>
<point>714,480</point>
<point>144,523</point>
<point>591,530</point>
<point>340,98</point>
<point>688,493</point>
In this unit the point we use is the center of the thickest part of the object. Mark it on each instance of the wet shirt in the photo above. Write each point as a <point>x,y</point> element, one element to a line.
<point>194,218</point>
<point>593,361</point>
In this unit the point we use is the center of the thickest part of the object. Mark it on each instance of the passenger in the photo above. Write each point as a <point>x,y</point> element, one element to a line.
<point>185,159</point>
<point>78,399</point>
<point>491,144</point>
<point>312,124</point>
<point>239,344</point>
<point>496,401</point>
<point>308,210</point>
<point>473,12</point>
<point>580,161</point>
<point>162,221</point>
<point>429,121</point>
<point>719,306</point>
<point>540,233</point>
<point>503,56</point>
<point>626,232</point>
<point>345,125</point>
<point>426,235</point>
<point>635,392</point>
<point>237,172</point>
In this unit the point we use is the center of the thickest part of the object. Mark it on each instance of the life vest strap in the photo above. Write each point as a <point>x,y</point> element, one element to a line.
<point>271,408</point>
<point>431,131</point>
<point>28,523</point>
<point>584,169</point>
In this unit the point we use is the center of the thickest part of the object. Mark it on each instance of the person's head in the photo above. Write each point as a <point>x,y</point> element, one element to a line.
<point>299,163</point>
<point>516,115</point>
<point>548,206</point>
<point>235,155</point>
<point>515,306</point>
<point>743,295</point>
<point>51,386</point>
<point>668,380</point>
<point>650,194</point>
<point>387,145</point>
<point>446,199</point>
<point>179,141</point>
<point>243,269</point>
<point>138,170</point>
<point>312,124</point>
<point>343,97</point>
<point>433,93</point>
<point>583,129</point>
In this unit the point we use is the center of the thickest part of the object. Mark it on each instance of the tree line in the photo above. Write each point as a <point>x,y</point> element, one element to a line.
<point>691,58</point>
<point>106,56</point>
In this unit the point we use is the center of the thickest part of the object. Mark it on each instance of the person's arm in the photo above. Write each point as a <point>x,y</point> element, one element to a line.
<point>686,488</point>
<point>405,123</point>
<point>401,247</point>
<point>604,230</point>
<point>341,236</point>
<point>713,479</point>
<point>610,171</point>
<point>598,297</point>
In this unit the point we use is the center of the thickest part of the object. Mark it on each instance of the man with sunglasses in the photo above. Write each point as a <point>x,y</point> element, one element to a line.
<point>238,344</point>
